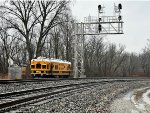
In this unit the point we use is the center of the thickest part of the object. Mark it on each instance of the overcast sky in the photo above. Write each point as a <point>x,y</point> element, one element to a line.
<point>136,17</point>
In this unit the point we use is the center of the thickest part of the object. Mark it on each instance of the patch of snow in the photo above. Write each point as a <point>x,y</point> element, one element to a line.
<point>146,97</point>
<point>129,104</point>
<point>132,99</point>
<point>134,111</point>
<point>128,96</point>
<point>50,60</point>
<point>139,106</point>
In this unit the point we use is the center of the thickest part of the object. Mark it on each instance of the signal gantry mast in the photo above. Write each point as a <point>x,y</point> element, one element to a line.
<point>103,25</point>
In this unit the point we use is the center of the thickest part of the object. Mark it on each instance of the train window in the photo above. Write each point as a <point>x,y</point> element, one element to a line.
<point>68,67</point>
<point>47,66</point>
<point>44,66</point>
<point>62,67</point>
<point>32,66</point>
<point>38,66</point>
<point>56,66</point>
<point>51,67</point>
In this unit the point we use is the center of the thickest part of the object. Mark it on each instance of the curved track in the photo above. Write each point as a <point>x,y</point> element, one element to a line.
<point>17,99</point>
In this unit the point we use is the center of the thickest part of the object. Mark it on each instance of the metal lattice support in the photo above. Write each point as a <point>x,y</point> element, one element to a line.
<point>79,51</point>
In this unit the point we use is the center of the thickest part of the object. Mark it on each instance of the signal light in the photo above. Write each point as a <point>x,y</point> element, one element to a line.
<point>99,28</point>
<point>119,7</point>
<point>99,8</point>
<point>119,17</point>
<point>100,19</point>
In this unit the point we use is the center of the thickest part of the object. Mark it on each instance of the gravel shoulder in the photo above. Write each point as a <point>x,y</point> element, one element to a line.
<point>135,101</point>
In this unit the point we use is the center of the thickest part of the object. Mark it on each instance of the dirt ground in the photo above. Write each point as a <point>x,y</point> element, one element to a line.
<point>4,76</point>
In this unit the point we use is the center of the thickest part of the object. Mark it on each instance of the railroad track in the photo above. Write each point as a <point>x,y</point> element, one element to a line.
<point>9,101</point>
<point>60,79</point>
<point>30,80</point>
<point>41,80</point>
<point>15,99</point>
<point>17,86</point>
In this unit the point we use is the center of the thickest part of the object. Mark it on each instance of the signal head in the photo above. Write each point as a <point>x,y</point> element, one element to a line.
<point>100,19</point>
<point>119,6</point>
<point>99,28</point>
<point>99,7</point>
<point>119,17</point>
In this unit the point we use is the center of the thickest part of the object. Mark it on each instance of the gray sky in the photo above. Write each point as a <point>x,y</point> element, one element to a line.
<point>136,17</point>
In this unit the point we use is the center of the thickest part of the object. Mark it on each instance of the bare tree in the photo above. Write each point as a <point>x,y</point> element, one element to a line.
<point>145,58</point>
<point>50,13</point>
<point>29,16</point>
<point>4,50</point>
<point>19,15</point>
<point>67,28</point>
<point>103,59</point>
<point>56,41</point>
<point>94,53</point>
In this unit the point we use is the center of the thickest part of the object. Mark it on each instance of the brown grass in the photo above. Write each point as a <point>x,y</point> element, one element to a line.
<point>3,76</point>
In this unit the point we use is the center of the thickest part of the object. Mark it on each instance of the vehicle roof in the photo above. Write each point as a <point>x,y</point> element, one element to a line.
<point>50,60</point>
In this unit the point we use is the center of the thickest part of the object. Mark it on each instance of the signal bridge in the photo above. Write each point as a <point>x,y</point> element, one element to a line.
<point>103,25</point>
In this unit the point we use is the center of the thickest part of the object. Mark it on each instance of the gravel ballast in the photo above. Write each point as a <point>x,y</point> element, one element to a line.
<point>99,99</point>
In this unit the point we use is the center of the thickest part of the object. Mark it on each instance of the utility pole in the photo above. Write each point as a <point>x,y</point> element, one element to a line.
<point>103,25</point>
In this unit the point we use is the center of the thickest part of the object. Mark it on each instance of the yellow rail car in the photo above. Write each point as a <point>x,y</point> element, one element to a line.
<point>44,67</point>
